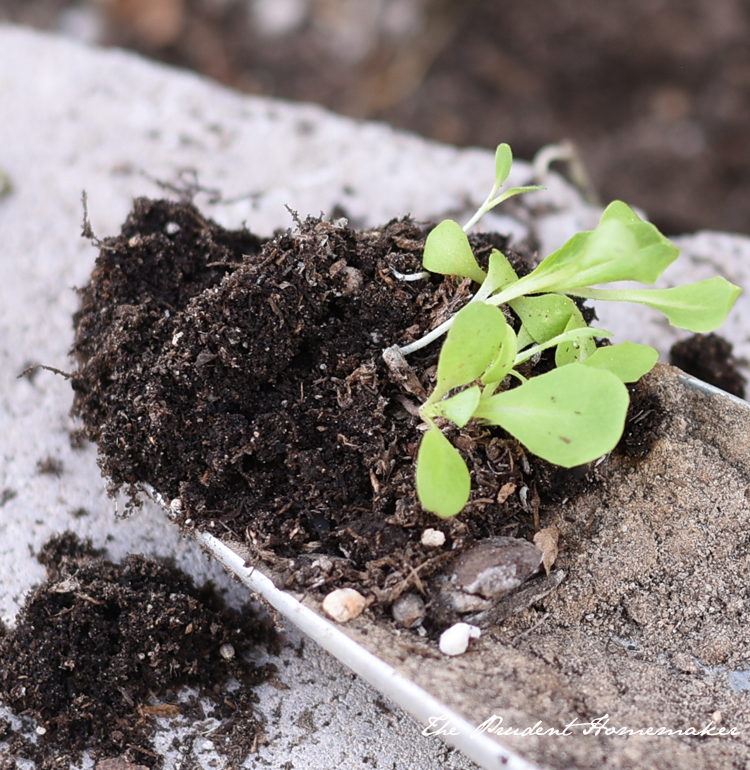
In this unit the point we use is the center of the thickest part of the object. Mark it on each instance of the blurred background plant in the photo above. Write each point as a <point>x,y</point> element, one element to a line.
<point>655,94</point>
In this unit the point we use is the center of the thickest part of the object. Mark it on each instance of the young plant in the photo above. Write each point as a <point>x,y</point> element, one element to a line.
<point>574,413</point>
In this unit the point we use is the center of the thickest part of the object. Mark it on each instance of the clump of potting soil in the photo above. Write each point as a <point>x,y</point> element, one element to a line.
<point>101,649</point>
<point>245,383</point>
<point>709,358</point>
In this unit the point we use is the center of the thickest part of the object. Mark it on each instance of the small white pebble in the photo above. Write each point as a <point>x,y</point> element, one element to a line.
<point>176,505</point>
<point>455,640</point>
<point>717,717</point>
<point>433,538</point>
<point>343,604</point>
<point>226,651</point>
<point>41,730</point>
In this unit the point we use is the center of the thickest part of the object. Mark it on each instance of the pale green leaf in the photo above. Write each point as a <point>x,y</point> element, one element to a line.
<point>447,251</point>
<point>654,252</point>
<point>500,273</point>
<point>546,315</point>
<point>628,360</point>
<point>524,338</point>
<point>471,345</point>
<point>443,482</point>
<point>576,350</point>
<point>621,248</point>
<point>581,333</point>
<point>459,408</point>
<point>503,163</point>
<point>568,416</point>
<point>512,191</point>
<point>698,307</point>
<point>505,360</point>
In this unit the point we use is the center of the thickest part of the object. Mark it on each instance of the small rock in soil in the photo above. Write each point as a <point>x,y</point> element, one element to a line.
<point>455,640</point>
<point>343,604</point>
<point>432,538</point>
<point>408,611</point>
<point>496,566</point>
<point>547,539</point>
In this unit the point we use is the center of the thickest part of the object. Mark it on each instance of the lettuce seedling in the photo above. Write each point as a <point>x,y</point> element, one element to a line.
<point>574,413</point>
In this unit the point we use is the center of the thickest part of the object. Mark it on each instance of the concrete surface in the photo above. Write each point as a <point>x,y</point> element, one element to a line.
<point>76,118</point>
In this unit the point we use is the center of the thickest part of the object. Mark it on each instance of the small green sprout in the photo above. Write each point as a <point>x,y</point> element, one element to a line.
<point>574,413</point>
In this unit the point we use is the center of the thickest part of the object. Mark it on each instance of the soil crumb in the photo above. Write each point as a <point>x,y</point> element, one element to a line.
<point>101,650</point>
<point>709,358</point>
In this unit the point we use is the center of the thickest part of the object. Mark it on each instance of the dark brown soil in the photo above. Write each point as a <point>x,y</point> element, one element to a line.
<point>709,358</point>
<point>246,386</point>
<point>100,650</point>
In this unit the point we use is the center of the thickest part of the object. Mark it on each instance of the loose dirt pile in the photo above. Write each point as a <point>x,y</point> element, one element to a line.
<point>101,650</point>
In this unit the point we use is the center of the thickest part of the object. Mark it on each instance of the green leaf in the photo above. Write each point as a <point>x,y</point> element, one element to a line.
<point>459,408</point>
<point>628,360</point>
<point>447,251</point>
<point>654,251</point>
<point>511,191</point>
<point>599,256</point>
<point>500,273</point>
<point>621,248</point>
<point>624,248</point>
<point>580,333</point>
<point>505,360</point>
<point>576,350</point>
<point>443,482</point>
<point>548,316</point>
<point>503,164</point>
<point>698,307</point>
<point>524,338</point>
<point>545,316</point>
<point>471,344</point>
<point>568,416</point>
